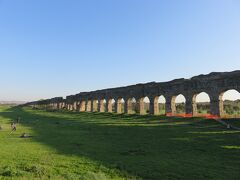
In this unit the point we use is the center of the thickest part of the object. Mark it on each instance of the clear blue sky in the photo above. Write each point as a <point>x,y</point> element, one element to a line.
<point>54,48</point>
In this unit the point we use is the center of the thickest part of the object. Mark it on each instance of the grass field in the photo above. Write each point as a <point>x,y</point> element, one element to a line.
<point>69,145</point>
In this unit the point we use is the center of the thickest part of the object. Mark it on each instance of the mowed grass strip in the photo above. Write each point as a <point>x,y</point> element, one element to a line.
<point>67,145</point>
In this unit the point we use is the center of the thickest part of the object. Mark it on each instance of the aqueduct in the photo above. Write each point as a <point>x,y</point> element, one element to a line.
<point>213,84</point>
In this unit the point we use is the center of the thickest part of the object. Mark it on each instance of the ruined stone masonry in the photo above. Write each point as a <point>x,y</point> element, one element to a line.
<point>214,84</point>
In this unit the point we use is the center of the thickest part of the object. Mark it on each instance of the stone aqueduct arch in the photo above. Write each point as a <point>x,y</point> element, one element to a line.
<point>214,84</point>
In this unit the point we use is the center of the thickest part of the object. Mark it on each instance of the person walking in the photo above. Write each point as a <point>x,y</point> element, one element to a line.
<point>14,127</point>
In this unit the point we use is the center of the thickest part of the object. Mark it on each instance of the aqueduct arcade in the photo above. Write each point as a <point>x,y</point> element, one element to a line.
<point>130,99</point>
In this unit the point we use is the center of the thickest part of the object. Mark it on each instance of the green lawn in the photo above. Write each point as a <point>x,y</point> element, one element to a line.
<point>235,122</point>
<point>106,146</point>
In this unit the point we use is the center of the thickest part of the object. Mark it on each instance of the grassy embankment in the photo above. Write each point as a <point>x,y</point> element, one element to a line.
<point>108,146</point>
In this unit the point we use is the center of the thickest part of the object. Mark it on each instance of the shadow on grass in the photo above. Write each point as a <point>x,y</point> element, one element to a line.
<point>149,147</point>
